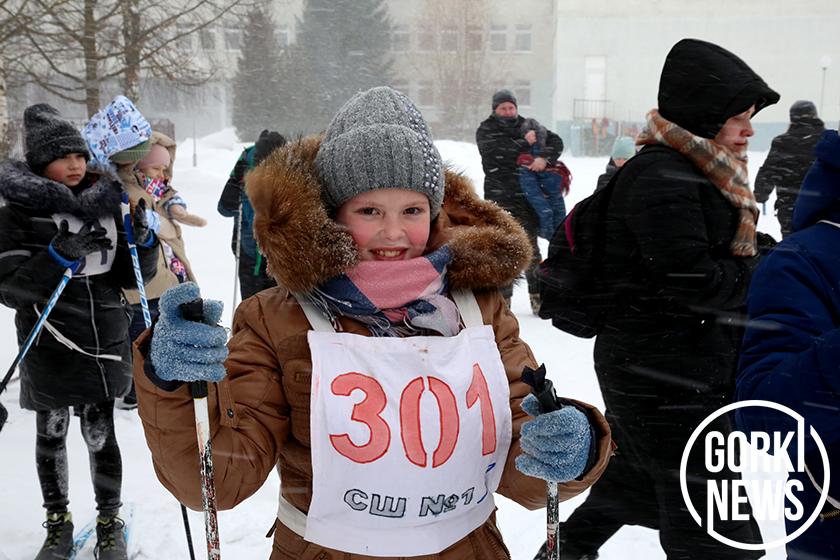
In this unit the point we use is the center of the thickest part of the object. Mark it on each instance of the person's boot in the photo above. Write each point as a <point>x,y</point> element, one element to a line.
<point>110,539</point>
<point>128,402</point>
<point>536,300</point>
<point>59,541</point>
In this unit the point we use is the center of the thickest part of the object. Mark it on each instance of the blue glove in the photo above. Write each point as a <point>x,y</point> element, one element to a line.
<point>184,350</point>
<point>555,445</point>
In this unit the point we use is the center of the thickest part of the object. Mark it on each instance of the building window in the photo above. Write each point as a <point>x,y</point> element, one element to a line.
<point>426,40</point>
<point>475,38</point>
<point>233,38</point>
<point>522,38</point>
<point>208,39</point>
<point>185,41</point>
<point>283,36</point>
<point>498,38</point>
<point>426,94</point>
<point>449,39</point>
<point>401,39</point>
<point>522,91</point>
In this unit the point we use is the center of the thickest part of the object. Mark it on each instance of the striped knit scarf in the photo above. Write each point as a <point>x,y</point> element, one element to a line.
<point>726,169</point>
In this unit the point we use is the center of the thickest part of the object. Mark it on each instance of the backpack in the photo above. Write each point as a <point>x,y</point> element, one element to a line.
<point>575,293</point>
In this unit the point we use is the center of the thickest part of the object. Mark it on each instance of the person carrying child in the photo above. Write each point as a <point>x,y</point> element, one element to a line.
<point>500,142</point>
<point>54,216</point>
<point>378,243</point>
<point>543,185</point>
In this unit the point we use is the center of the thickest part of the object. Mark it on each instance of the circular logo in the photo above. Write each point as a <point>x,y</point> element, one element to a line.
<point>775,444</point>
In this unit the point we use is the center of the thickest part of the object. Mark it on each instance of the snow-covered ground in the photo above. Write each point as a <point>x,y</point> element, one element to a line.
<point>157,527</point>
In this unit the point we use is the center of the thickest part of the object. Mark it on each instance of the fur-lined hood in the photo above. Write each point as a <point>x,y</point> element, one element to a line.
<point>19,185</point>
<point>305,247</point>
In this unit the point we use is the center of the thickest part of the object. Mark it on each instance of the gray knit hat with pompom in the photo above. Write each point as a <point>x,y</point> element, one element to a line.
<point>379,140</point>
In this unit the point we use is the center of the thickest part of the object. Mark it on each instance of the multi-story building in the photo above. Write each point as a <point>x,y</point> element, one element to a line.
<point>609,55</point>
<point>448,56</point>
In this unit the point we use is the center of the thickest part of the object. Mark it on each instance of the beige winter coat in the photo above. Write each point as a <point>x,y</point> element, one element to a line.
<point>260,412</point>
<point>170,231</point>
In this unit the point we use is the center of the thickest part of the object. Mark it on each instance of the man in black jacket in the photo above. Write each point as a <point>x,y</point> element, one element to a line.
<point>500,140</point>
<point>681,249</point>
<point>790,157</point>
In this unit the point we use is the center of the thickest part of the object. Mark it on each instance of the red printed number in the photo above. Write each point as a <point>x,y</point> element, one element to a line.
<point>369,410</point>
<point>478,391</point>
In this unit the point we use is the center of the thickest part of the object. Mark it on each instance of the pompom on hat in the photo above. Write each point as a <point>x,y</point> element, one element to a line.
<point>379,140</point>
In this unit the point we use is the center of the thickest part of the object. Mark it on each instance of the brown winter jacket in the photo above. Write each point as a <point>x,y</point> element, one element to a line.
<point>260,412</point>
<point>170,231</point>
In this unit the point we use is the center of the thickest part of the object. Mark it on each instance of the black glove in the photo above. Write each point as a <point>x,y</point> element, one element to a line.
<point>91,238</point>
<point>140,224</point>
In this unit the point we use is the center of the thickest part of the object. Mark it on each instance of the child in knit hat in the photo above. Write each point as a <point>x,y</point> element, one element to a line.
<point>388,270</point>
<point>623,149</point>
<point>58,220</point>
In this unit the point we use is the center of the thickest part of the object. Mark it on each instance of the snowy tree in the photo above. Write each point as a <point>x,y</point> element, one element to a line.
<point>71,52</point>
<point>461,68</point>
<point>342,47</point>
<point>255,86</point>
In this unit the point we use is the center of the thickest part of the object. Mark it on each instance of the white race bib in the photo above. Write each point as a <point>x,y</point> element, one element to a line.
<point>409,440</point>
<point>94,263</point>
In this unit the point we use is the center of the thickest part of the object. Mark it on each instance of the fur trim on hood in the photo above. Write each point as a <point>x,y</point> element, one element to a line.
<point>19,185</point>
<point>305,247</point>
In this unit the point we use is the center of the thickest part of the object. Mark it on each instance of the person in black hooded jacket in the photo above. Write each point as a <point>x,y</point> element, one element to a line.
<point>55,216</point>
<point>789,159</point>
<point>681,248</point>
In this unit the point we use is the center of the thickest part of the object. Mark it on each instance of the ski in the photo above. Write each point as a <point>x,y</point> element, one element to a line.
<point>81,539</point>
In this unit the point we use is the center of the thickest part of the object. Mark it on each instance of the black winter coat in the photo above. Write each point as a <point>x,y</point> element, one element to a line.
<point>500,143</point>
<point>91,313</point>
<point>667,354</point>
<point>789,159</point>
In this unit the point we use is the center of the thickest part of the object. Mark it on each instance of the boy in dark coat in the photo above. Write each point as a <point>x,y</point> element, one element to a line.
<point>790,156</point>
<point>55,216</point>
<point>681,249</point>
<point>792,344</point>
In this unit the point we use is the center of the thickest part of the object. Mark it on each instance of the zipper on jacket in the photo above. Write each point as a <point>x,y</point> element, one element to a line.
<point>96,340</point>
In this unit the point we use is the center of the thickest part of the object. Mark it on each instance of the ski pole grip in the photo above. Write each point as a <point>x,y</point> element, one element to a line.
<point>541,388</point>
<point>194,311</point>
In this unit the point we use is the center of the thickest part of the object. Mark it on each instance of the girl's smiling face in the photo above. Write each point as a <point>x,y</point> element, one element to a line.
<point>387,224</point>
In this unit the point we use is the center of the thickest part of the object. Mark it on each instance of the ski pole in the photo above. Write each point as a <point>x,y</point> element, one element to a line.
<point>33,334</point>
<point>147,316</point>
<point>135,259</point>
<point>194,311</point>
<point>543,389</point>
<point>238,237</point>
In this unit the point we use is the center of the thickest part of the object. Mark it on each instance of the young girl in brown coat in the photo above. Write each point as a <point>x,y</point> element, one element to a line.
<point>383,377</point>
